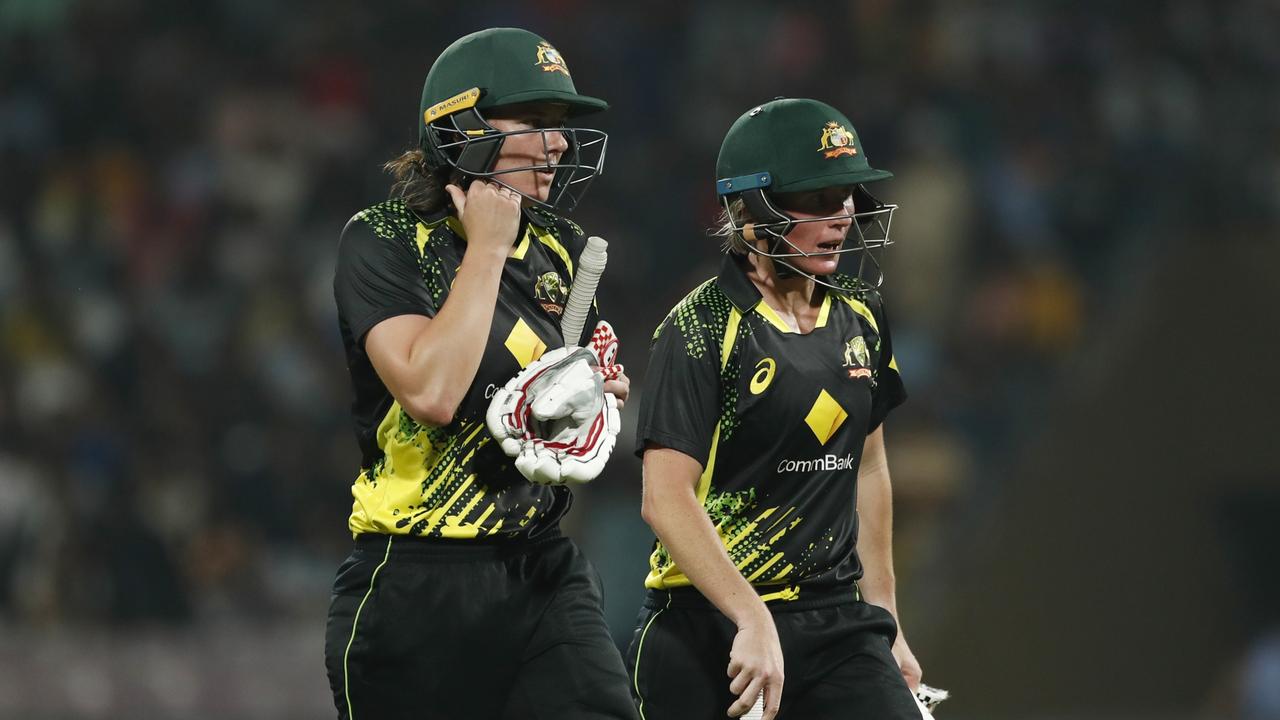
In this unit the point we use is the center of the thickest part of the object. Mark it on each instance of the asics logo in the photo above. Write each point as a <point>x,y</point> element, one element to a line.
<point>765,370</point>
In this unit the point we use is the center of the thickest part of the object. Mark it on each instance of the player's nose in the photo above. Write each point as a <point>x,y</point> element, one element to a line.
<point>557,143</point>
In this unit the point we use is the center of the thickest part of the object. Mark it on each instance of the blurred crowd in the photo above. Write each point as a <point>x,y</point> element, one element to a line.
<point>175,445</point>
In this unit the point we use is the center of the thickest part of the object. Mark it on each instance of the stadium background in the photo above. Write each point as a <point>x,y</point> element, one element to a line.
<point>1087,473</point>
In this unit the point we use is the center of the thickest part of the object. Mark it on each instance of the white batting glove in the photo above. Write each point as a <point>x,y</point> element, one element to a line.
<point>555,419</point>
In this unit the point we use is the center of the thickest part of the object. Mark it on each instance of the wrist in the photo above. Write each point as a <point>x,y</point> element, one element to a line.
<point>485,253</point>
<point>751,612</point>
<point>885,600</point>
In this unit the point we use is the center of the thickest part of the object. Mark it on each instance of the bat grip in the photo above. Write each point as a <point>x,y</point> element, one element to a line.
<point>591,265</point>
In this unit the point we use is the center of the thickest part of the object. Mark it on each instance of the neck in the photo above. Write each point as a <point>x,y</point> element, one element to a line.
<point>795,297</point>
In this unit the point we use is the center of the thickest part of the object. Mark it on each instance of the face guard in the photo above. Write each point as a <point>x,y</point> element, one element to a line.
<point>465,142</point>
<point>868,229</point>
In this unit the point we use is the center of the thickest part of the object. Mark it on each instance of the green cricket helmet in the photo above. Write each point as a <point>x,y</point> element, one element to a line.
<point>793,145</point>
<point>495,68</point>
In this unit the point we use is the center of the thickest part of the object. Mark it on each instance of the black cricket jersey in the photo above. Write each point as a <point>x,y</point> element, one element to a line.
<point>777,419</point>
<point>451,481</point>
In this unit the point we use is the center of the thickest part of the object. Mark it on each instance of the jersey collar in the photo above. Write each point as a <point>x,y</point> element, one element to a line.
<point>736,285</point>
<point>535,216</point>
<point>538,216</point>
<point>746,297</point>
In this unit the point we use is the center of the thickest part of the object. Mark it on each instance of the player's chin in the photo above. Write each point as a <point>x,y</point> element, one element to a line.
<point>820,265</point>
<point>531,192</point>
<point>542,185</point>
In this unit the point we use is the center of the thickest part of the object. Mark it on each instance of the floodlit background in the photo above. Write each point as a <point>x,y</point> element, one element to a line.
<point>1087,472</point>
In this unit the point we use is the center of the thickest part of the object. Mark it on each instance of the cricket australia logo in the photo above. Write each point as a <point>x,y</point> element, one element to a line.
<point>836,141</point>
<point>857,358</point>
<point>551,293</point>
<point>549,59</point>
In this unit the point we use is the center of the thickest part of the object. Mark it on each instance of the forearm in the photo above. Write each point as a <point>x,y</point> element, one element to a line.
<point>678,519</point>
<point>687,533</point>
<point>875,546</point>
<point>875,541</point>
<point>875,527</point>
<point>446,353</point>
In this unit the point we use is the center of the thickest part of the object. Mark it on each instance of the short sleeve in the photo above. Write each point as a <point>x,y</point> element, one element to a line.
<point>680,398</point>
<point>377,277</point>
<point>889,391</point>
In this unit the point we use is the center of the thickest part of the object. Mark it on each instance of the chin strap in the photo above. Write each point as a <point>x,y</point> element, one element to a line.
<point>758,206</point>
<point>782,269</point>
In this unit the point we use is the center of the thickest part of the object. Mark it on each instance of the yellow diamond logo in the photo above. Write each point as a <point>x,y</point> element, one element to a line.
<point>825,417</point>
<point>525,344</point>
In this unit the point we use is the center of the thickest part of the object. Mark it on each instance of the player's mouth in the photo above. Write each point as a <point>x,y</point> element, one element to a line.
<point>830,246</point>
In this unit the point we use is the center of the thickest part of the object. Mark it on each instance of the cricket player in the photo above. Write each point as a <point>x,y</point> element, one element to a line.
<point>461,599</point>
<point>762,435</point>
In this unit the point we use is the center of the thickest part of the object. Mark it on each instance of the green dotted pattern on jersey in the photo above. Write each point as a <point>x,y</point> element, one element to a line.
<point>687,318</point>
<point>723,507</point>
<point>437,489</point>
<point>390,219</point>
<point>750,538</point>
<point>375,472</point>
<point>660,559</point>
<point>702,317</point>
<point>853,285</point>
<point>550,219</point>
<point>749,549</point>
<point>729,375</point>
<point>433,267</point>
<point>430,440</point>
<point>394,220</point>
<point>413,432</point>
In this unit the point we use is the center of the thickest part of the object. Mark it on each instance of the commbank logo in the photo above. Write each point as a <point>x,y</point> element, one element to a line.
<point>829,462</point>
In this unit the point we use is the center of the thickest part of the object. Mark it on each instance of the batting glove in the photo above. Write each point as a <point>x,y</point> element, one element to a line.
<point>928,698</point>
<point>604,345</point>
<point>555,419</point>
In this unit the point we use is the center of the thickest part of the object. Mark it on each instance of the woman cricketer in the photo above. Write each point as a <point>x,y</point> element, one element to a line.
<point>461,598</point>
<point>761,431</point>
